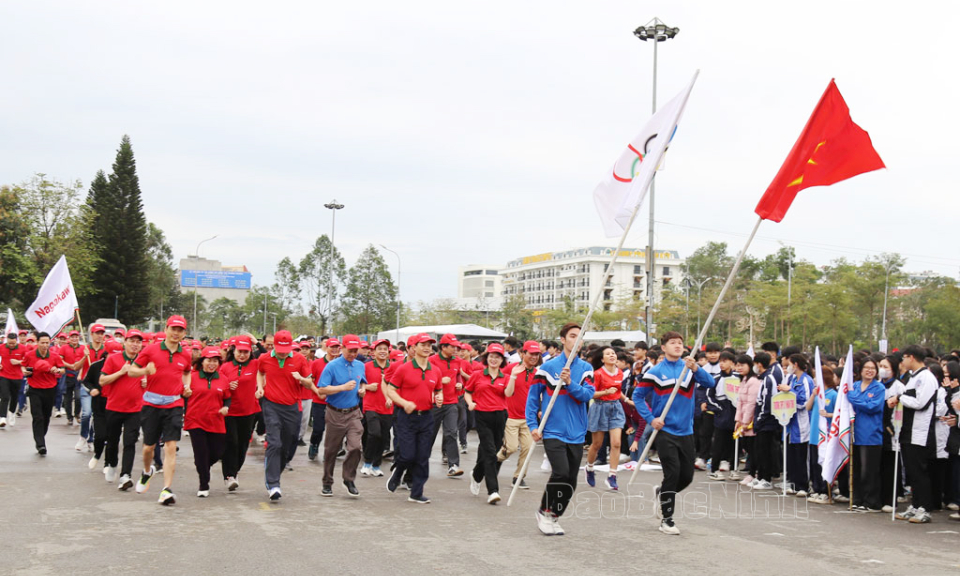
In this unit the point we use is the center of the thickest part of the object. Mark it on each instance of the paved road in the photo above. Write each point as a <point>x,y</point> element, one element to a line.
<point>59,517</point>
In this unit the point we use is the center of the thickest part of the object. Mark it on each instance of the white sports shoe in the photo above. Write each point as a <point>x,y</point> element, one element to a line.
<point>544,523</point>
<point>92,464</point>
<point>474,486</point>
<point>493,498</point>
<point>110,473</point>
<point>81,445</point>
<point>3,422</point>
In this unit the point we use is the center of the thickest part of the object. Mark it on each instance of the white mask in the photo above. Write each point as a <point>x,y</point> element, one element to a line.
<point>885,374</point>
<point>791,369</point>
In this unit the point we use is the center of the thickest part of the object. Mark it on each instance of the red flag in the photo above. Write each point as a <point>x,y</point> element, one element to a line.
<point>831,148</point>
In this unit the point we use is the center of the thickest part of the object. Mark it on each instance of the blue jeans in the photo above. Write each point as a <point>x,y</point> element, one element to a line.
<point>414,435</point>
<point>61,390</point>
<point>86,431</point>
<point>22,400</point>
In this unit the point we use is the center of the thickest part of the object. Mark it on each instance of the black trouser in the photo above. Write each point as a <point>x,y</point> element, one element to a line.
<point>797,471</point>
<point>722,449</point>
<point>462,419</point>
<point>9,391</point>
<point>378,437</point>
<point>915,460</point>
<point>490,426</point>
<point>71,396</point>
<point>319,414</point>
<point>447,417</point>
<point>41,406</point>
<point>239,430</point>
<point>887,461</point>
<point>98,409</point>
<point>676,457</point>
<point>565,468</point>
<point>867,476</point>
<point>747,444</point>
<point>414,441</point>
<point>207,450</point>
<point>127,425</point>
<point>705,439</point>
<point>817,483</point>
<point>765,454</point>
<point>261,427</point>
<point>939,480</point>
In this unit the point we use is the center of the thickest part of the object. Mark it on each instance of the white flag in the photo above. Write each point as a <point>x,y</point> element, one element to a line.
<point>625,187</point>
<point>57,301</point>
<point>837,447</point>
<point>11,323</point>
<point>750,351</point>
<point>821,404</point>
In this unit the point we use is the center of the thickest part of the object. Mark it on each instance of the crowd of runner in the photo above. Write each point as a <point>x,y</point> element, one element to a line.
<point>366,402</point>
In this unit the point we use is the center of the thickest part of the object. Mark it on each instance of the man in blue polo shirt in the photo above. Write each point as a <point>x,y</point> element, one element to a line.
<point>340,384</point>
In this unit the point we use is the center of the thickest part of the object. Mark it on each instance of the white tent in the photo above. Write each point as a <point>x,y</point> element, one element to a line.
<point>628,336</point>
<point>461,331</point>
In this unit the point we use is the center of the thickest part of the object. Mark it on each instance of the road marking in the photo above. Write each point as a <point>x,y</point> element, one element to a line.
<point>871,561</point>
<point>773,534</point>
<point>944,532</point>
<point>267,507</point>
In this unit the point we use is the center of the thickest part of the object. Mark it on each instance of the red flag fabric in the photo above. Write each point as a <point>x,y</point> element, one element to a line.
<point>831,148</point>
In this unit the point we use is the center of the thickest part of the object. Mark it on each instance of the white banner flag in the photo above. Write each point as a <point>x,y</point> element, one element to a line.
<point>821,404</point>
<point>11,324</point>
<point>837,447</point>
<point>57,301</point>
<point>625,187</point>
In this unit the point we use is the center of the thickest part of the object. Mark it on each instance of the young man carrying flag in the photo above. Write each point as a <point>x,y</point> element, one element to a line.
<point>675,442</point>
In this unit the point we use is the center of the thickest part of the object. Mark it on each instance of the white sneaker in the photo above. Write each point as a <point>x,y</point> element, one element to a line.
<point>668,527</point>
<point>763,485</point>
<point>3,422</point>
<point>699,464</point>
<point>275,494</point>
<point>724,466</point>
<point>801,493</point>
<point>110,473</point>
<point>474,486</point>
<point>493,498</point>
<point>365,470</point>
<point>232,483</point>
<point>544,523</point>
<point>125,483</point>
<point>887,508</point>
<point>718,475</point>
<point>12,419</point>
<point>92,464</point>
<point>144,481</point>
<point>747,480</point>
<point>557,530</point>
<point>546,465</point>
<point>81,445</point>
<point>203,493</point>
<point>907,514</point>
<point>90,447</point>
<point>735,476</point>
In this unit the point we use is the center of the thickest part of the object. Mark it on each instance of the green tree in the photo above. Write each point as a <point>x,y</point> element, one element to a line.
<point>17,271</point>
<point>370,299</point>
<point>517,320</point>
<point>322,272</point>
<point>224,318</point>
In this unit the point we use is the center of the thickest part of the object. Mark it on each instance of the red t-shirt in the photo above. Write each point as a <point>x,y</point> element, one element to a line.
<point>603,380</point>
<point>488,393</point>
<point>206,400</point>
<point>170,365</point>
<point>42,377</point>
<point>449,367</point>
<point>416,384</point>
<point>243,400</point>
<point>377,401</point>
<point>7,369</point>
<point>94,355</point>
<point>517,404</point>
<point>281,387</point>
<point>125,394</point>
<point>316,369</point>
<point>70,354</point>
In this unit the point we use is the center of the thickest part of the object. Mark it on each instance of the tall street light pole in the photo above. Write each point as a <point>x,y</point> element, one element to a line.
<point>657,31</point>
<point>397,335</point>
<point>332,206</point>
<point>196,253</point>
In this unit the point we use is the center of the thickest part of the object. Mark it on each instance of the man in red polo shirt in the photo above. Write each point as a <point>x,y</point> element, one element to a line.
<point>280,377</point>
<point>415,388</point>
<point>124,395</point>
<point>516,434</point>
<point>446,415</point>
<point>377,409</point>
<point>167,368</point>
<point>72,354</point>
<point>11,378</point>
<point>43,370</point>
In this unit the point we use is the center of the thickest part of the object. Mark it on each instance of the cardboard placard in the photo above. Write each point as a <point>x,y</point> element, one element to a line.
<point>731,387</point>
<point>783,407</point>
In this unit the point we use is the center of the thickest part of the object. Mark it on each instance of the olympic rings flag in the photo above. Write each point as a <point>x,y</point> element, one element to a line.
<point>56,303</point>
<point>625,186</point>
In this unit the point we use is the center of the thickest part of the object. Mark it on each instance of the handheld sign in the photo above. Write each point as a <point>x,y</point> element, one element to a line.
<point>731,387</point>
<point>784,406</point>
<point>897,419</point>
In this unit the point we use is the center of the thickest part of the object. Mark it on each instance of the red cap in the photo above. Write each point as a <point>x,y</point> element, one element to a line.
<point>72,333</point>
<point>396,355</point>
<point>225,345</point>
<point>134,333</point>
<point>31,337</point>
<point>448,339</point>
<point>466,347</point>
<point>283,341</point>
<point>177,321</point>
<point>244,344</point>
<point>411,341</point>
<point>364,344</point>
<point>351,342</point>
<point>305,344</point>
<point>423,337</point>
<point>97,328</point>
<point>381,341</point>
<point>119,331</point>
<point>61,335</point>
<point>158,336</point>
<point>295,347</point>
<point>331,342</point>
<point>210,352</point>
<point>22,332</point>
<point>531,346</point>
<point>495,348</point>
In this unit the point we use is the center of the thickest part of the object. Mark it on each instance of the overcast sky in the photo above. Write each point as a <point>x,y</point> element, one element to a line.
<point>475,132</point>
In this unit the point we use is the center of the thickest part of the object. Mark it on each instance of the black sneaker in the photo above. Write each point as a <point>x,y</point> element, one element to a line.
<point>523,484</point>
<point>351,488</point>
<point>394,481</point>
<point>419,500</point>
<point>301,443</point>
<point>388,455</point>
<point>313,451</point>
<point>42,450</point>
<point>341,453</point>
<point>327,490</point>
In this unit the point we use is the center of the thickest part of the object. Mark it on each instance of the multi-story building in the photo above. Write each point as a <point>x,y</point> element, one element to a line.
<point>478,281</point>
<point>546,280</point>
<point>212,280</point>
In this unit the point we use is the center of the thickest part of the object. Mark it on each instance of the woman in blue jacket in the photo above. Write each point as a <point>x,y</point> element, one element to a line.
<point>867,398</point>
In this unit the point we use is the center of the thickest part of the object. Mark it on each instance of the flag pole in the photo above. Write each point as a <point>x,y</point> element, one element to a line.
<point>896,460</point>
<point>850,464</point>
<point>576,345</point>
<point>783,480</point>
<point>703,332</point>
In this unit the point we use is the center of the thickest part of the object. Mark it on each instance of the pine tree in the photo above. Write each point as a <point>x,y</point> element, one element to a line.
<point>370,298</point>
<point>121,238</point>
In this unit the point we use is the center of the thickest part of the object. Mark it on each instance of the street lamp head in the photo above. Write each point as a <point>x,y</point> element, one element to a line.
<point>656,30</point>
<point>333,205</point>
